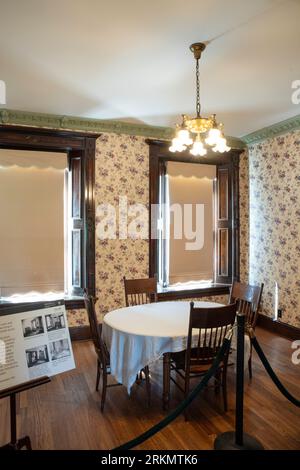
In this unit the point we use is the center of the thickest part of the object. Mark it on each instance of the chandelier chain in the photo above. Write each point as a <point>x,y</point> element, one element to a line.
<point>198,107</point>
<point>197,133</point>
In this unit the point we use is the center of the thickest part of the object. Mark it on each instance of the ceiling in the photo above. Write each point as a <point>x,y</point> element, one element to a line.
<point>130,59</point>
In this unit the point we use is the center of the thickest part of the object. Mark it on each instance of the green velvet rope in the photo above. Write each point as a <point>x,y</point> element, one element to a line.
<point>183,405</point>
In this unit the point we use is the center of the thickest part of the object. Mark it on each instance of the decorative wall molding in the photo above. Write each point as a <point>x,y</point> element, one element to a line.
<point>279,128</point>
<point>28,118</point>
<point>55,121</point>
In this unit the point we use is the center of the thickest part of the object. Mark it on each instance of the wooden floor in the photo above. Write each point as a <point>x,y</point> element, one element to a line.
<point>65,414</point>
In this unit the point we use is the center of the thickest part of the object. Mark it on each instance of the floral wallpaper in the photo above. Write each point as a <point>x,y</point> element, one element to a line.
<point>122,168</point>
<point>244,216</point>
<point>77,317</point>
<point>274,176</point>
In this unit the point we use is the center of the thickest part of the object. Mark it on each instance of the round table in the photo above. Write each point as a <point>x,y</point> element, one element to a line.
<point>139,335</point>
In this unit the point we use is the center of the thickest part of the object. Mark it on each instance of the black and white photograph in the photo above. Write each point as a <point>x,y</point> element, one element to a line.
<point>55,321</point>
<point>37,356</point>
<point>59,349</point>
<point>33,326</point>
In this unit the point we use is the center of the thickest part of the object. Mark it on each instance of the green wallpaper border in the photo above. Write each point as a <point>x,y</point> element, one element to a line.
<point>56,121</point>
<point>28,118</point>
<point>274,130</point>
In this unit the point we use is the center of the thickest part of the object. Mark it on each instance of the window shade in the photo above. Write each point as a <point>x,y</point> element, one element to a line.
<point>191,183</point>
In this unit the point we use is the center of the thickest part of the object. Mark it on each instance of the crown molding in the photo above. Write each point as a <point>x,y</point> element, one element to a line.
<point>28,118</point>
<point>274,130</point>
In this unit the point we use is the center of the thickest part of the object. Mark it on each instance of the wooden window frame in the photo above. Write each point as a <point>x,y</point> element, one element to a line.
<point>159,152</point>
<point>84,145</point>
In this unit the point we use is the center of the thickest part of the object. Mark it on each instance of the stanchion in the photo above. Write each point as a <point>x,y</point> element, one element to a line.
<point>238,440</point>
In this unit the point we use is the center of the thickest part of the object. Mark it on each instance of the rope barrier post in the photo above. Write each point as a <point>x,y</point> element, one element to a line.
<point>239,393</point>
<point>238,440</point>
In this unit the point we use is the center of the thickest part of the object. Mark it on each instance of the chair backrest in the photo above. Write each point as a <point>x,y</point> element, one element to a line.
<point>213,325</point>
<point>100,347</point>
<point>248,300</point>
<point>140,291</point>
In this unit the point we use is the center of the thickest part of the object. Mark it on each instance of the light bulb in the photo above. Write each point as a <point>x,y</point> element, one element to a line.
<point>184,137</point>
<point>198,149</point>
<point>177,146</point>
<point>221,146</point>
<point>213,136</point>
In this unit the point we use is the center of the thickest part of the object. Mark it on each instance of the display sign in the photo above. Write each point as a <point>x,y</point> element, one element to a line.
<point>34,342</point>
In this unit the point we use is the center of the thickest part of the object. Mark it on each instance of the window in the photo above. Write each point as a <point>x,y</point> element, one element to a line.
<point>33,220</point>
<point>41,224</point>
<point>186,240</point>
<point>194,216</point>
<point>48,227</point>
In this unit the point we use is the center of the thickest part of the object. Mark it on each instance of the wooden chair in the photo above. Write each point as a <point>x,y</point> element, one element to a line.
<point>140,291</point>
<point>212,325</point>
<point>103,358</point>
<point>248,299</point>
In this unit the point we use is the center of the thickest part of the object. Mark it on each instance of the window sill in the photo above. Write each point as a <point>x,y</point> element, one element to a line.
<point>71,302</point>
<point>182,292</point>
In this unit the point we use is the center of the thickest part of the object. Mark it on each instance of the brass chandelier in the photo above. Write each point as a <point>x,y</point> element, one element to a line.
<point>194,133</point>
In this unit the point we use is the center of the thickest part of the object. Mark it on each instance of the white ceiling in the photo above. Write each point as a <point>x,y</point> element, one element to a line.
<point>130,59</point>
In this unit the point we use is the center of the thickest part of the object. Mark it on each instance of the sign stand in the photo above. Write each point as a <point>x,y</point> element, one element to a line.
<point>17,444</point>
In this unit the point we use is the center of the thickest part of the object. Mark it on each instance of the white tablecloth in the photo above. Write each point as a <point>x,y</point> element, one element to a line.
<point>138,336</point>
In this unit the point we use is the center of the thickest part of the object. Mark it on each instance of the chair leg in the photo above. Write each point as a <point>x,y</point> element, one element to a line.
<point>186,392</point>
<point>217,381</point>
<point>148,384</point>
<point>98,375</point>
<point>104,386</point>
<point>224,387</point>
<point>250,363</point>
<point>250,366</point>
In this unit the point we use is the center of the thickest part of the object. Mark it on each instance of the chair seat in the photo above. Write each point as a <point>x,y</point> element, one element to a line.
<point>212,325</point>
<point>197,365</point>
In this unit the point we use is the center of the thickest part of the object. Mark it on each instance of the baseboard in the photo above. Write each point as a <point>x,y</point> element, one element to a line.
<point>280,328</point>
<point>79,333</point>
